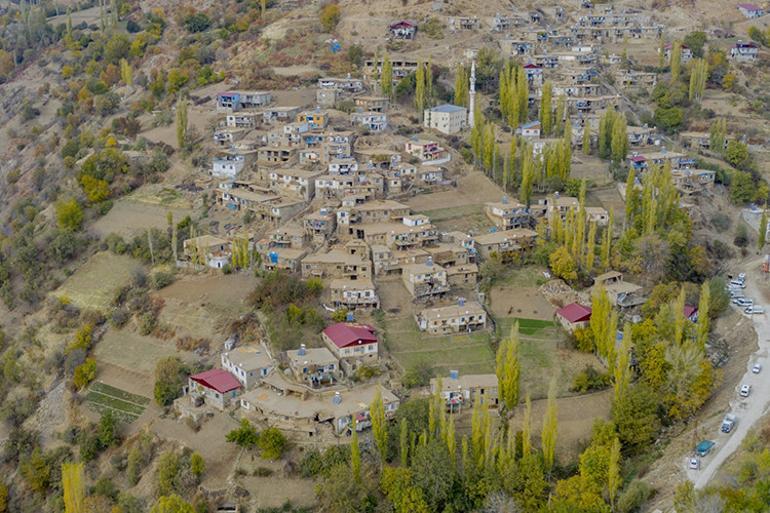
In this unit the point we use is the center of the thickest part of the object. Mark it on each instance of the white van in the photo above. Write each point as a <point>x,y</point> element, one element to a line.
<point>755,310</point>
<point>738,283</point>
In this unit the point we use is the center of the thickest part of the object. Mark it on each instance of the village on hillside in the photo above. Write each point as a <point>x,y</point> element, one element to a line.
<point>344,256</point>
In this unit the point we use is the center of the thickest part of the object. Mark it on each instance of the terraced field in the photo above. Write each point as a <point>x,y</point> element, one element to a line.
<point>124,405</point>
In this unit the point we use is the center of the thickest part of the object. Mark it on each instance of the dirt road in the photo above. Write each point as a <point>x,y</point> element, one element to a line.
<point>752,408</point>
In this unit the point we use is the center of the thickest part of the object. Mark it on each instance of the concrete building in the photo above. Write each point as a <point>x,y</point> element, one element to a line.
<point>315,366</point>
<point>463,391</point>
<point>353,294</point>
<point>425,280</point>
<point>248,364</point>
<point>447,119</point>
<point>463,317</point>
<point>349,340</point>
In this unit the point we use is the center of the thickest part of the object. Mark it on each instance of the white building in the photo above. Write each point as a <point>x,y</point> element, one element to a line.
<point>247,364</point>
<point>372,121</point>
<point>227,166</point>
<point>447,119</point>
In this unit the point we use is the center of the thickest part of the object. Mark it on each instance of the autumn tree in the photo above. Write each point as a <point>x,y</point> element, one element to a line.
<point>73,486</point>
<point>546,108</point>
<point>69,215</point>
<point>379,425</point>
<point>704,303</point>
<point>563,264</point>
<point>586,138</point>
<point>675,60</point>
<point>330,16</point>
<point>461,89</point>
<point>386,77</point>
<point>172,504</point>
<point>419,89</point>
<point>718,135</point>
<point>508,369</point>
<point>550,427</point>
<point>762,230</point>
<point>181,123</point>
<point>698,77</point>
<point>355,451</point>
<point>245,436</point>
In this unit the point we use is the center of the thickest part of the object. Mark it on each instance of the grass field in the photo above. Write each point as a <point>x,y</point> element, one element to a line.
<point>133,352</point>
<point>95,283</point>
<point>468,353</point>
<point>125,406</point>
<point>545,354</point>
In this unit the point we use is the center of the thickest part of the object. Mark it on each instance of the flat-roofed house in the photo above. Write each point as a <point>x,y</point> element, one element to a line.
<point>463,317</point>
<point>425,280</point>
<point>212,251</point>
<point>353,294</point>
<point>248,364</point>
<point>508,245</point>
<point>508,214</point>
<point>234,101</point>
<point>314,366</point>
<point>349,262</point>
<point>460,391</point>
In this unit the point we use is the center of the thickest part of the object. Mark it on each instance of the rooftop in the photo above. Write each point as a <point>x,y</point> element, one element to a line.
<point>249,358</point>
<point>451,311</point>
<point>312,355</point>
<point>448,108</point>
<point>575,312</point>
<point>345,334</point>
<point>217,379</point>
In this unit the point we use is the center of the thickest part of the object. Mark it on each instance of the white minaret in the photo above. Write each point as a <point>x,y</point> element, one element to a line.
<point>472,89</point>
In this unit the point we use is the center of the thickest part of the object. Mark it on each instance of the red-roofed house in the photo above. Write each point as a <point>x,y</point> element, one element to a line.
<point>216,387</point>
<point>347,340</point>
<point>691,312</point>
<point>574,316</point>
<point>751,11</point>
<point>403,29</point>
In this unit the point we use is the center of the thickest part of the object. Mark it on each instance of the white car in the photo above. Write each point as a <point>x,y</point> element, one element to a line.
<point>756,368</point>
<point>745,390</point>
<point>742,276</point>
<point>693,463</point>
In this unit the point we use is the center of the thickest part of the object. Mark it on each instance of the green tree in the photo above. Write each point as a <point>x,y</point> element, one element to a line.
<point>718,135</point>
<point>546,112</point>
<point>379,425</point>
<point>698,76</point>
<point>695,42</point>
<point>461,86</point>
<point>167,472</point>
<point>271,443</point>
<point>586,138</point>
<point>762,230</point>
<point>107,430</point>
<point>355,451</point>
<point>527,174</point>
<point>69,215</point>
<point>619,140</point>
<point>635,417</point>
<point>172,504</point>
<point>403,439</point>
<point>197,464</point>
<point>386,77</point>
<point>330,16</point>
<point>704,303</point>
<point>36,471</point>
<point>675,60</point>
<point>550,427</point>
<point>170,377</point>
<point>613,471</point>
<point>245,436</point>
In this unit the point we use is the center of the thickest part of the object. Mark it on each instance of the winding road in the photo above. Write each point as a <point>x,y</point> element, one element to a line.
<point>748,410</point>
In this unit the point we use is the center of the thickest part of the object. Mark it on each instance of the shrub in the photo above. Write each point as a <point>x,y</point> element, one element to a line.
<point>170,377</point>
<point>69,215</point>
<point>590,379</point>
<point>84,373</point>
<point>330,16</point>
<point>272,443</point>
<point>418,375</point>
<point>197,22</point>
<point>161,279</point>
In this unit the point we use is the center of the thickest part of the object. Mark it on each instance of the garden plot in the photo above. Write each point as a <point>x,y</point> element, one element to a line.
<point>124,405</point>
<point>94,284</point>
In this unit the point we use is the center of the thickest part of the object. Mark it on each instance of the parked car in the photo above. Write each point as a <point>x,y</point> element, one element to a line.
<point>745,390</point>
<point>742,276</point>
<point>704,447</point>
<point>755,310</point>
<point>756,368</point>
<point>728,423</point>
<point>693,463</point>
<point>738,283</point>
<point>744,301</point>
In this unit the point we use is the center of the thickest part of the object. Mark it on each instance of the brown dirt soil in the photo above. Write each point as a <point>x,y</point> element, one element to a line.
<point>472,188</point>
<point>528,303</point>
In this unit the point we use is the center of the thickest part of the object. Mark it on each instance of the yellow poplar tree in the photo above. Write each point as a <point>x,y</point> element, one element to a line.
<point>73,486</point>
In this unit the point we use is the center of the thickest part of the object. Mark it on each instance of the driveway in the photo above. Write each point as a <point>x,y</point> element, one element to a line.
<point>748,410</point>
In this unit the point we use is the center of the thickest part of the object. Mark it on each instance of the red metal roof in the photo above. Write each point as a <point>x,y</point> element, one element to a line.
<point>689,310</point>
<point>217,379</point>
<point>575,313</point>
<point>345,334</point>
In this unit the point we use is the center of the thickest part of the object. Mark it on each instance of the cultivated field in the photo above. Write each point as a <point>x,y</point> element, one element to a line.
<point>126,406</point>
<point>138,212</point>
<point>195,304</point>
<point>473,188</point>
<point>466,218</point>
<point>94,284</point>
<point>134,354</point>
